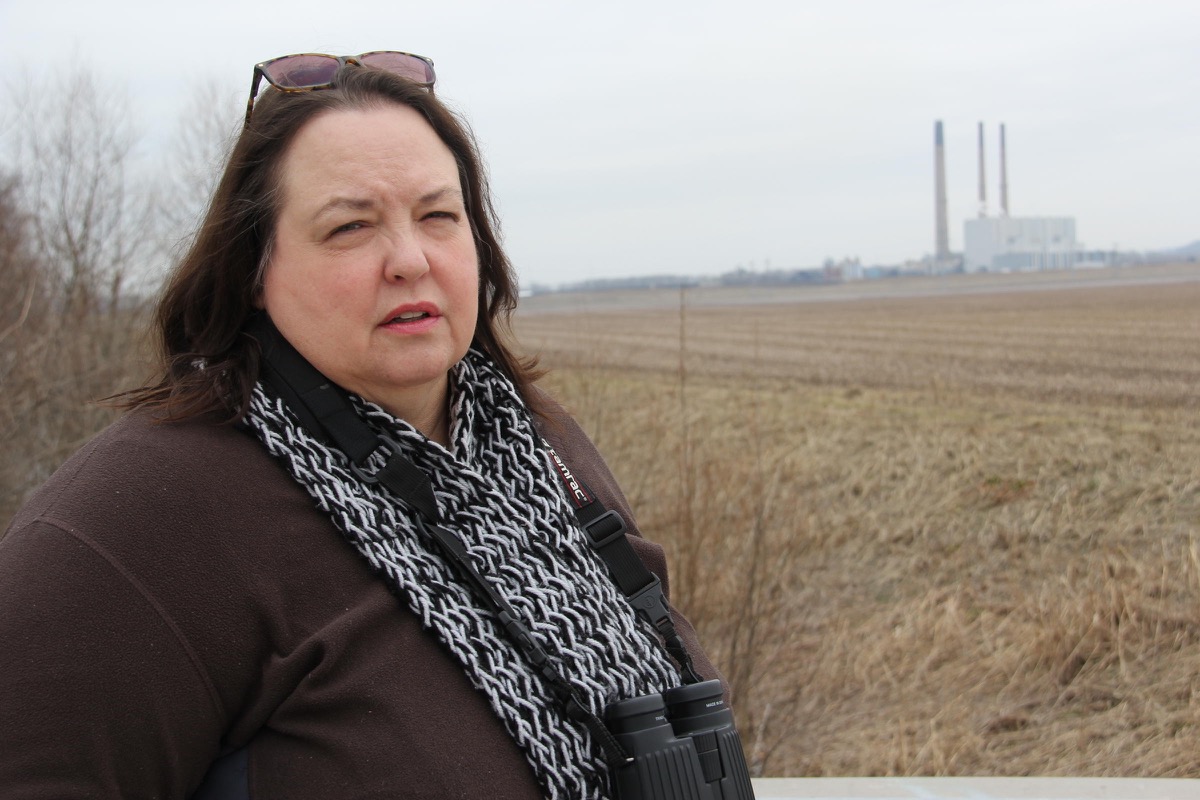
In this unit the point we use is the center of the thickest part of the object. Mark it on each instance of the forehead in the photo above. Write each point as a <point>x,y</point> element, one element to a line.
<point>388,147</point>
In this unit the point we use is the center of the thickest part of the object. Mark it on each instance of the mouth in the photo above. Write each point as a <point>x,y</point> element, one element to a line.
<point>412,317</point>
<point>408,316</point>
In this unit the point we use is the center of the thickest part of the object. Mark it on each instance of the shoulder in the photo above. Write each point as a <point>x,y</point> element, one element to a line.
<point>168,568</point>
<point>169,502</point>
<point>572,444</point>
<point>142,471</point>
<point>569,440</point>
<point>577,450</point>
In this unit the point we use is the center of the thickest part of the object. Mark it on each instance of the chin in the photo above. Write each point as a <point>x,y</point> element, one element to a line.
<point>414,380</point>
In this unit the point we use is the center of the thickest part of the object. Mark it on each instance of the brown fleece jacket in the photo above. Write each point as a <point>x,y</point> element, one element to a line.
<point>171,593</point>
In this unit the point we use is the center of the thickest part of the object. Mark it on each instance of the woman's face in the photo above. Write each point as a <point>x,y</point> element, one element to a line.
<point>373,276</point>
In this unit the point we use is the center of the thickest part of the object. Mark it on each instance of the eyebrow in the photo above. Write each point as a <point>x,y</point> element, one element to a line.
<point>339,203</point>
<point>442,194</point>
<point>366,203</point>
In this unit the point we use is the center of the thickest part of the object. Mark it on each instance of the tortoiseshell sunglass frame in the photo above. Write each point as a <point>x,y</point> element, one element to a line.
<point>418,69</point>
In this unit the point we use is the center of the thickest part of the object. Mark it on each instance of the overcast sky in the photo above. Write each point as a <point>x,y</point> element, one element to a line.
<point>693,137</point>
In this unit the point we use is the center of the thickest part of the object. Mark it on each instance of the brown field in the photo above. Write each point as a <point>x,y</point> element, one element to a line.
<point>951,534</point>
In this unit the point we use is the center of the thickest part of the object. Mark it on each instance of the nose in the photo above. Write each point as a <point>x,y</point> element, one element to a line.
<point>405,258</point>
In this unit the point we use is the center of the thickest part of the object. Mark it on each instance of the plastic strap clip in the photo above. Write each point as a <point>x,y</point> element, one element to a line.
<point>605,529</point>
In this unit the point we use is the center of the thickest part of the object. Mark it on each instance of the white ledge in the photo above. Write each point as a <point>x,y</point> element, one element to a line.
<point>977,788</point>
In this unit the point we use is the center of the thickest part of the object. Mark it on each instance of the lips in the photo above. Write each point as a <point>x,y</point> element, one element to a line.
<point>412,316</point>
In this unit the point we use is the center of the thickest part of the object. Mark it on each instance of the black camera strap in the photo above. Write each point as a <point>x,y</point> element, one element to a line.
<point>606,533</point>
<point>325,411</point>
<point>457,555</point>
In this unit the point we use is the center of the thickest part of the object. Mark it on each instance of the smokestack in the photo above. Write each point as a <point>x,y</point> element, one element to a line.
<point>942,248</point>
<point>1003,176</point>
<point>982,179</point>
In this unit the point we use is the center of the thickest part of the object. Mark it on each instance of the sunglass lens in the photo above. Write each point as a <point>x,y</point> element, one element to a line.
<point>403,64</point>
<point>301,72</point>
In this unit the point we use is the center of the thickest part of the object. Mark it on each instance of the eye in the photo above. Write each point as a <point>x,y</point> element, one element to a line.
<point>441,215</point>
<point>348,227</point>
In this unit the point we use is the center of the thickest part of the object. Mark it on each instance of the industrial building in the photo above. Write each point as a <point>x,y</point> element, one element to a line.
<point>1017,244</point>
<point>1001,243</point>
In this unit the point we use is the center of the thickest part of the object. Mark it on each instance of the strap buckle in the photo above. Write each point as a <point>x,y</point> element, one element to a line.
<point>605,529</point>
<point>389,447</point>
<point>652,603</point>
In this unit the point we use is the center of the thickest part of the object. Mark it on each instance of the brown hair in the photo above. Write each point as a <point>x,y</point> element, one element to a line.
<point>209,363</point>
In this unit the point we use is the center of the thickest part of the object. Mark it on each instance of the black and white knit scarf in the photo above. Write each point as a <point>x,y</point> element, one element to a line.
<point>496,489</point>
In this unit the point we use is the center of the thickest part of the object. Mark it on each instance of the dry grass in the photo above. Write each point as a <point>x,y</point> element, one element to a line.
<point>942,536</point>
<point>68,336</point>
<point>51,372</point>
<point>60,349</point>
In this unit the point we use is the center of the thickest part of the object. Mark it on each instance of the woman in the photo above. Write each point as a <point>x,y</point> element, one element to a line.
<point>217,598</point>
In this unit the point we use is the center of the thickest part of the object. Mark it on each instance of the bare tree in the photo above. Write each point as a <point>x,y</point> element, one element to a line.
<point>22,282</point>
<point>74,142</point>
<point>203,138</point>
<point>75,226</point>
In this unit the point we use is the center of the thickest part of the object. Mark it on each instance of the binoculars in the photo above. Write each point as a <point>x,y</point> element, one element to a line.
<point>683,746</point>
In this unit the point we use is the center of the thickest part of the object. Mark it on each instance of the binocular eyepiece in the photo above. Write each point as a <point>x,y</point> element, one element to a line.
<point>683,744</point>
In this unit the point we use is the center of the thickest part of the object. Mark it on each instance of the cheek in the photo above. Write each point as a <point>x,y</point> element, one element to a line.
<point>265,293</point>
<point>473,288</point>
<point>278,274</point>
<point>300,282</point>
<point>260,289</point>
<point>260,282</point>
<point>289,294</point>
<point>463,280</point>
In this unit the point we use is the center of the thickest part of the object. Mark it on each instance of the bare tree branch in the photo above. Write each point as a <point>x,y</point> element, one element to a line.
<point>72,143</point>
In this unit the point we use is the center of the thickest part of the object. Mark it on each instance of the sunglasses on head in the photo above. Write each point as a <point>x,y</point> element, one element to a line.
<point>306,71</point>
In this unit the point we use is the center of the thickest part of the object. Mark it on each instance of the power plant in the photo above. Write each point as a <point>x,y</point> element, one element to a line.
<point>1001,243</point>
<point>1003,175</point>
<point>942,250</point>
<point>982,178</point>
